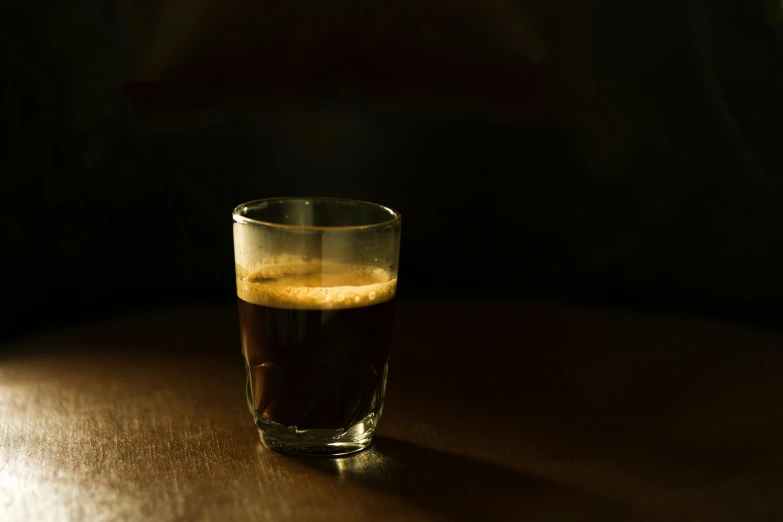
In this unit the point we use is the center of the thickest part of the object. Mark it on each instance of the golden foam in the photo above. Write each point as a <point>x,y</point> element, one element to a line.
<point>316,285</point>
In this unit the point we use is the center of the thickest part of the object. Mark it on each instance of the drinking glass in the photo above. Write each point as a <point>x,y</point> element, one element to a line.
<point>316,280</point>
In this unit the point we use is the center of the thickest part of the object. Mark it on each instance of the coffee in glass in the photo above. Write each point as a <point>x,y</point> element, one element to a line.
<point>316,280</point>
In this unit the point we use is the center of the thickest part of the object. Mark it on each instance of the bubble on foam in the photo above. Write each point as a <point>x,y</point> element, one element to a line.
<point>316,285</point>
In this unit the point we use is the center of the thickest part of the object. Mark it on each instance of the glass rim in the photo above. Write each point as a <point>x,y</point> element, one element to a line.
<point>242,219</point>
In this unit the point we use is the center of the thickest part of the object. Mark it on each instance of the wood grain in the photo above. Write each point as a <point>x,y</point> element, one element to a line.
<point>494,412</point>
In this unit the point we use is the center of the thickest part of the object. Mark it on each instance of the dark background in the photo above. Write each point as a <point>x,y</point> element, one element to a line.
<point>600,152</point>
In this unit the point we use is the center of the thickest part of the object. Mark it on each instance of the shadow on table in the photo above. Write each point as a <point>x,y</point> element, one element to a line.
<point>458,488</point>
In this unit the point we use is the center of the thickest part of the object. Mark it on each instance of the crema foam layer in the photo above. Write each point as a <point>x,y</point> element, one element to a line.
<point>316,285</point>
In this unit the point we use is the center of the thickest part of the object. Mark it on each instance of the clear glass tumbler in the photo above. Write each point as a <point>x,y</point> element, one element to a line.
<point>316,280</point>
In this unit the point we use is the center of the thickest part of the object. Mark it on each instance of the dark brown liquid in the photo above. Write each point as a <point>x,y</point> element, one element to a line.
<point>315,369</point>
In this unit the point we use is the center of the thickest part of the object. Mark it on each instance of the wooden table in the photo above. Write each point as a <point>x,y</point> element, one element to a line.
<point>494,412</point>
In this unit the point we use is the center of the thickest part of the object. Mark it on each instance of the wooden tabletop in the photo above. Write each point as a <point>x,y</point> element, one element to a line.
<point>494,412</point>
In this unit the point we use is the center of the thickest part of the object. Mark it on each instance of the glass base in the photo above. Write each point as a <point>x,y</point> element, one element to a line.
<point>323,442</point>
<point>323,448</point>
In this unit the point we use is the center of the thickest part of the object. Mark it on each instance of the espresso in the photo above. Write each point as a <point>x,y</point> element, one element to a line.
<point>316,337</point>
